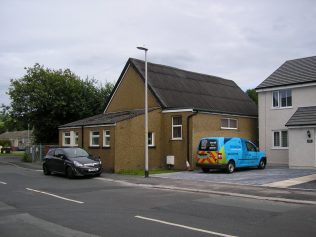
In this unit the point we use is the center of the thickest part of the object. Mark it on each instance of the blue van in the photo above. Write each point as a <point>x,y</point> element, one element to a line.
<point>228,153</point>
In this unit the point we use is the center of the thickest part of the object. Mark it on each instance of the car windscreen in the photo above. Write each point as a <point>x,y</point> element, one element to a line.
<point>208,145</point>
<point>75,152</point>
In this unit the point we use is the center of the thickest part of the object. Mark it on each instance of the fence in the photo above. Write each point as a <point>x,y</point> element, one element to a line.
<point>37,152</point>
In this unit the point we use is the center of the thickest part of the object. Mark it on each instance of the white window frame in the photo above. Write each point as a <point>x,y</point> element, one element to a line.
<point>281,145</point>
<point>176,126</point>
<point>106,134</point>
<point>94,136</point>
<point>152,134</point>
<point>68,137</point>
<point>76,138</point>
<point>229,124</point>
<point>279,102</point>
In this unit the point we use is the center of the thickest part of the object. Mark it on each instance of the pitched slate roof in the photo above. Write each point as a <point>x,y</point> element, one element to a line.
<point>304,116</point>
<point>15,135</point>
<point>179,89</point>
<point>292,72</point>
<point>105,118</point>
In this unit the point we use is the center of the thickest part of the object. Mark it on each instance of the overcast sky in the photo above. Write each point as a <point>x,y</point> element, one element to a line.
<point>240,40</point>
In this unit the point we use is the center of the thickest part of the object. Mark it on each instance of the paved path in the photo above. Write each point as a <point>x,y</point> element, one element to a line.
<point>281,177</point>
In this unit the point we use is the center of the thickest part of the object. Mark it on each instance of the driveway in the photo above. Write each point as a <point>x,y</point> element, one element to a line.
<point>272,176</point>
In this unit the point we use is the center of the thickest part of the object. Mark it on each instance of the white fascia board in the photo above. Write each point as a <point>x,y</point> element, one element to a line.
<point>228,115</point>
<point>177,110</point>
<point>69,128</point>
<point>104,125</point>
<point>286,87</point>
<point>117,88</point>
<point>303,126</point>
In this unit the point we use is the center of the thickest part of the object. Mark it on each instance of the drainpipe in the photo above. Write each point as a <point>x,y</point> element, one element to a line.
<point>188,136</point>
<point>82,137</point>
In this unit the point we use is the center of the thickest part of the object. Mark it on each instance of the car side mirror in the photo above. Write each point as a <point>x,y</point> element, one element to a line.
<point>61,156</point>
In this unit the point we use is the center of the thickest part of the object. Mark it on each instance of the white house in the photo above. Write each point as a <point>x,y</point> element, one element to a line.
<point>286,91</point>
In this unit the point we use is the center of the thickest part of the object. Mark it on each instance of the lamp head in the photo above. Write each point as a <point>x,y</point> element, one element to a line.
<point>142,48</point>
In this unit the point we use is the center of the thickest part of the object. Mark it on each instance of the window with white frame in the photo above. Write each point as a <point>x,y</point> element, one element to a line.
<point>177,128</point>
<point>70,138</point>
<point>281,98</point>
<point>67,139</point>
<point>94,138</point>
<point>151,139</point>
<point>76,138</point>
<point>280,139</point>
<point>106,138</point>
<point>228,123</point>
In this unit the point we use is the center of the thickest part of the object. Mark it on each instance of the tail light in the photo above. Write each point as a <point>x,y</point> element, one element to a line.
<point>219,156</point>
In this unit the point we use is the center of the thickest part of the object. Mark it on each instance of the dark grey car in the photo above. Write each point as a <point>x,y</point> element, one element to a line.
<point>71,162</point>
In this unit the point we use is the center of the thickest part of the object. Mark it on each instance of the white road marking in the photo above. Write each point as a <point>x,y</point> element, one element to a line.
<point>184,226</point>
<point>54,195</point>
<point>291,182</point>
<point>2,182</point>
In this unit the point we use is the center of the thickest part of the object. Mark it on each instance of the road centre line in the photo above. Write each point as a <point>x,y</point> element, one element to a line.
<point>54,195</point>
<point>184,226</point>
<point>2,182</point>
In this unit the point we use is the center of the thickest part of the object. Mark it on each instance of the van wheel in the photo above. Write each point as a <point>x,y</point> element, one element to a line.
<point>69,173</point>
<point>230,167</point>
<point>262,164</point>
<point>205,170</point>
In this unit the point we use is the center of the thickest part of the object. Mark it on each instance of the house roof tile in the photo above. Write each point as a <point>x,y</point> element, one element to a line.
<point>292,72</point>
<point>304,116</point>
<point>105,118</point>
<point>177,88</point>
<point>15,135</point>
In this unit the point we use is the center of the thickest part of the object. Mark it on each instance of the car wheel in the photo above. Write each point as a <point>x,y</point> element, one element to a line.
<point>46,171</point>
<point>262,164</point>
<point>205,170</point>
<point>231,167</point>
<point>69,173</point>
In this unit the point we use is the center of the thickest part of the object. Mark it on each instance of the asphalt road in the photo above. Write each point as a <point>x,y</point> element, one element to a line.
<point>32,204</point>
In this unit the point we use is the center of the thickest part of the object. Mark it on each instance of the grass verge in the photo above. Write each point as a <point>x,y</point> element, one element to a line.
<point>15,154</point>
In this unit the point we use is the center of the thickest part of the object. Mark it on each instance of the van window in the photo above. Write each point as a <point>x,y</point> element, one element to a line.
<point>250,147</point>
<point>208,145</point>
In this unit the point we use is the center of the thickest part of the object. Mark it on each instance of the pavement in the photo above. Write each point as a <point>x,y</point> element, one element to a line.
<point>276,183</point>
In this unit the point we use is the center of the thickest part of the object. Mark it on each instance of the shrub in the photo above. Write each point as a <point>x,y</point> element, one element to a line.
<point>5,143</point>
<point>26,157</point>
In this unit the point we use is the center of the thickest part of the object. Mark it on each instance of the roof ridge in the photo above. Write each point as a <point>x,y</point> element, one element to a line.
<point>179,69</point>
<point>300,58</point>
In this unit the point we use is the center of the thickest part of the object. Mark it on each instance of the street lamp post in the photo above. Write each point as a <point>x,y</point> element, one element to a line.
<point>146,114</point>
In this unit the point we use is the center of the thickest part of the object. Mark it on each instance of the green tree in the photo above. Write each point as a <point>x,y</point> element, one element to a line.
<point>7,122</point>
<point>46,98</point>
<point>253,95</point>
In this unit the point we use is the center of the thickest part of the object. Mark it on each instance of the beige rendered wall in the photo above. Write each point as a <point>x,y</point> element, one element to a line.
<point>204,125</point>
<point>271,119</point>
<point>130,141</point>
<point>302,153</point>
<point>130,94</point>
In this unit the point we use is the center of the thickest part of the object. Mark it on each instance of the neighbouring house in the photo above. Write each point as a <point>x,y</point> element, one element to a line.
<point>287,118</point>
<point>183,107</point>
<point>19,139</point>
